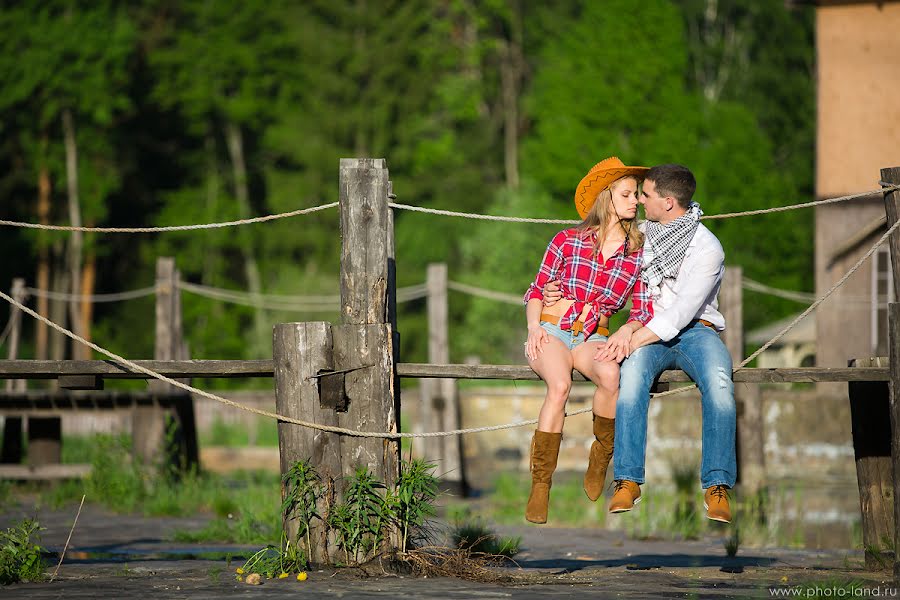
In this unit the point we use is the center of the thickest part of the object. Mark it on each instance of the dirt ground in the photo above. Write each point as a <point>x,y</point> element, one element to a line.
<point>131,557</point>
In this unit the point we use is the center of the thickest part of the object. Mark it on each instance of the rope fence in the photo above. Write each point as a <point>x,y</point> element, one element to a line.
<point>391,435</point>
<point>262,219</point>
<point>421,209</point>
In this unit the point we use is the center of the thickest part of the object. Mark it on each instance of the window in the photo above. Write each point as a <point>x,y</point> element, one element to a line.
<point>882,294</point>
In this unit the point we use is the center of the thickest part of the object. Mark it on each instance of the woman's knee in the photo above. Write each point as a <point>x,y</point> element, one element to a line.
<point>558,391</point>
<point>607,374</point>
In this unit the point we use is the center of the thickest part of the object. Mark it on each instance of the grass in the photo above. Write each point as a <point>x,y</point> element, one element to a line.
<point>476,537</point>
<point>235,435</point>
<point>245,503</point>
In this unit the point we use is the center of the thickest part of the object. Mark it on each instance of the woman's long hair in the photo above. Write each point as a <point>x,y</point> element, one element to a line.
<point>602,213</point>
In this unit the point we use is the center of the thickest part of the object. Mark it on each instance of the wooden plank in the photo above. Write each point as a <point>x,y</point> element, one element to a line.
<point>48,369</point>
<point>754,375</point>
<point>894,344</point>
<point>109,369</point>
<point>302,350</point>
<point>891,175</point>
<point>44,472</point>
<point>871,429</point>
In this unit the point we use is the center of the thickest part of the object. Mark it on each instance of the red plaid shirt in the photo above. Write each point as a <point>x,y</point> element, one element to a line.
<point>605,286</point>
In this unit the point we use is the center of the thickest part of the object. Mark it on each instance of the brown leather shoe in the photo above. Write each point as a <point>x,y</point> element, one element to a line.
<point>626,495</point>
<point>715,501</point>
<point>544,454</point>
<point>598,460</point>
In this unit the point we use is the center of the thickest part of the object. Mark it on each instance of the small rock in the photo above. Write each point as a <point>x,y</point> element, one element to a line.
<point>253,579</point>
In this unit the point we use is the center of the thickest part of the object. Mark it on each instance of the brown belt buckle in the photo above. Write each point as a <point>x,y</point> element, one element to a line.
<point>577,327</point>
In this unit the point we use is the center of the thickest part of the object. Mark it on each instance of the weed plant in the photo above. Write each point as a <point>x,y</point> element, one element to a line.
<point>20,554</point>
<point>475,536</point>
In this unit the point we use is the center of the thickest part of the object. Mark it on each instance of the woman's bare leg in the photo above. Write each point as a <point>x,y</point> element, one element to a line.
<point>605,375</point>
<point>554,365</point>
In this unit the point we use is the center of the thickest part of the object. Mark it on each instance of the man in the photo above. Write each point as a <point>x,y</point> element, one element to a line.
<point>683,265</point>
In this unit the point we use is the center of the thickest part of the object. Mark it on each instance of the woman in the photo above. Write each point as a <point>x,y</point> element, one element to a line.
<point>597,264</point>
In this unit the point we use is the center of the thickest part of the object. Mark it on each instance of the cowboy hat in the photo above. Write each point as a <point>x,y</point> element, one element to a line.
<point>599,178</point>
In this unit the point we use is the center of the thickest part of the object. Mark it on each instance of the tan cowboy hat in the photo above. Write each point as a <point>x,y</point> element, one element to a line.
<point>599,178</point>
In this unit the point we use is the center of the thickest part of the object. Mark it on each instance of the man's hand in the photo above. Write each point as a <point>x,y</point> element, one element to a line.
<point>617,347</point>
<point>551,292</point>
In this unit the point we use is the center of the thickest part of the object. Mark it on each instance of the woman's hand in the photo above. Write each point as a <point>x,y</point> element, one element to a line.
<point>617,347</point>
<point>534,345</point>
<point>551,292</point>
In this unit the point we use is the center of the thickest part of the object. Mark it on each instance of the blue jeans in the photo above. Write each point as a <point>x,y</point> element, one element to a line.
<point>568,338</point>
<point>699,352</point>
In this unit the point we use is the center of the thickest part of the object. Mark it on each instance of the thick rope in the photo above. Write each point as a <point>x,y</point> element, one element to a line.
<point>762,211</point>
<point>262,219</point>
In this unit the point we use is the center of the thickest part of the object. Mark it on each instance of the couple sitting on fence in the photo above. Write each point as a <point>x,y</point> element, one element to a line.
<point>671,267</point>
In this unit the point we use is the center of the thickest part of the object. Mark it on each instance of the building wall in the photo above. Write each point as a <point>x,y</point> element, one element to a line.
<point>858,56</point>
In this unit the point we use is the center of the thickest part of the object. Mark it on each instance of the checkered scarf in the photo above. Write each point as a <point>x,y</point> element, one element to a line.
<point>666,245</point>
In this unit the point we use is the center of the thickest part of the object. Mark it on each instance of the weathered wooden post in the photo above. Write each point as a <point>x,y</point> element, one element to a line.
<point>871,429</point>
<point>891,176</point>
<point>345,375</point>
<point>150,438</point>
<point>439,406</point>
<point>894,342</point>
<point>751,455</point>
<point>12,426</point>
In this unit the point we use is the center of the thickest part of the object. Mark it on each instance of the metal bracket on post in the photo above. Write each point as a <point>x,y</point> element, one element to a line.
<point>332,391</point>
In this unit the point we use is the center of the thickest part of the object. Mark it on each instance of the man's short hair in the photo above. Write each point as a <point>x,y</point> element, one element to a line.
<point>674,180</point>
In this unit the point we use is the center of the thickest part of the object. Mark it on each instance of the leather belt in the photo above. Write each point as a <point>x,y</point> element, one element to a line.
<point>705,322</point>
<point>577,326</point>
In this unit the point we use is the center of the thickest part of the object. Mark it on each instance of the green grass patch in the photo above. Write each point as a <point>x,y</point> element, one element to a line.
<point>234,435</point>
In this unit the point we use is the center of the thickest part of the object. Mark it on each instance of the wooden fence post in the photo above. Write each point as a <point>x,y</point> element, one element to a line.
<point>894,342</point>
<point>891,175</point>
<point>345,375</point>
<point>871,428</point>
<point>151,440</point>
<point>12,426</point>
<point>751,454</point>
<point>439,406</point>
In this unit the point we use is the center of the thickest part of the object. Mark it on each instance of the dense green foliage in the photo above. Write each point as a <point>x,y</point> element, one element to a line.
<point>189,112</point>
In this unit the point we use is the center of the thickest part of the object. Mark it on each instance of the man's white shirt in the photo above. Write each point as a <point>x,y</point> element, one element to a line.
<point>693,294</point>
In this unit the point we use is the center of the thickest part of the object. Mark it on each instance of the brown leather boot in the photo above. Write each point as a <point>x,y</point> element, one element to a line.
<point>627,494</point>
<point>598,461</point>
<point>544,454</point>
<point>715,501</point>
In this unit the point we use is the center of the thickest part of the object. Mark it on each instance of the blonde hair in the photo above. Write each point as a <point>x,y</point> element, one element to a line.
<point>602,214</point>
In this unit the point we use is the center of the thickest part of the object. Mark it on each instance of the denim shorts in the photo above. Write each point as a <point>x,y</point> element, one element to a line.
<point>568,338</point>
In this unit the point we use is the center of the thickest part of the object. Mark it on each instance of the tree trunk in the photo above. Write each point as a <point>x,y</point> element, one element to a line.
<point>43,267</point>
<point>511,72</point>
<point>60,283</point>
<point>251,267</point>
<point>88,282</point>
<point>76,240</point>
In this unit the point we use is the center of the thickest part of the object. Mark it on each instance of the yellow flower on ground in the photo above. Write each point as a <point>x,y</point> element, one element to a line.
<point>283,575</point>
<point>301,576</point>
<point>239,571</point>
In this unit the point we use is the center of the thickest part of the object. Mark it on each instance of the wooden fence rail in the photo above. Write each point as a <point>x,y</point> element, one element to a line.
<point>107,369</point>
